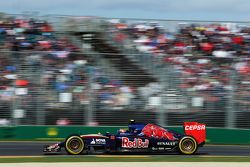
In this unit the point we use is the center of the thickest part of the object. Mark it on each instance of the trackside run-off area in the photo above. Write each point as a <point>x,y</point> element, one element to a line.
<point>22,152</point>
<point>122,158</point>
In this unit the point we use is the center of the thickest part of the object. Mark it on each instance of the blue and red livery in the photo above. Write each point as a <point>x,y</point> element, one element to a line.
<point>139,137</point>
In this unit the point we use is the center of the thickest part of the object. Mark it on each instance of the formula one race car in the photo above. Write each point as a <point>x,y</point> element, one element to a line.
<point>137,138</point>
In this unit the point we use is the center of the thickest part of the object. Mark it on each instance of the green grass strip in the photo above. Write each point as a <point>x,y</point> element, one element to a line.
<point>156,158</point>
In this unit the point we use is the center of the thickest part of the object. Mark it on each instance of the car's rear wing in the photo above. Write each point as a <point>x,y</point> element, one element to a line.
<point>196,130</point>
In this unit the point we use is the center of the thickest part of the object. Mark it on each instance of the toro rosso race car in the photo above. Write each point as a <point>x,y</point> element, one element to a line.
<point>138,137</point>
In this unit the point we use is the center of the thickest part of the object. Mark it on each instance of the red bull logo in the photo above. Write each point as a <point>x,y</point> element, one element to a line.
<point>137,143</point>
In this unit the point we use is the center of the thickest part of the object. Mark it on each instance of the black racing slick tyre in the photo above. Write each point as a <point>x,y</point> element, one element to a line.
<point>188,145</point>
<point>74,145</point>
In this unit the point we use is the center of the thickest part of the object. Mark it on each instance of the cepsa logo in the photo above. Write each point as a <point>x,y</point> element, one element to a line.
<point>195,127</point>
<point>137,143</point>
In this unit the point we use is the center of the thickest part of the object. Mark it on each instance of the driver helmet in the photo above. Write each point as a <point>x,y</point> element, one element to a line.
<point>122,130</point>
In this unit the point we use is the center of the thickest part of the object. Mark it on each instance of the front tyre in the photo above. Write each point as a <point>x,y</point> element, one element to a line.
<point>74,145</point>
<point>187,145</point>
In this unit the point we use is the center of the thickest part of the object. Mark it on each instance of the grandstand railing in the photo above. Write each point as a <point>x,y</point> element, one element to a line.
<point>97,102</point>
<point>44,102</point>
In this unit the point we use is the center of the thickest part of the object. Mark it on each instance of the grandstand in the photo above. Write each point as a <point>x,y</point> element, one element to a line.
<point>96,71</point>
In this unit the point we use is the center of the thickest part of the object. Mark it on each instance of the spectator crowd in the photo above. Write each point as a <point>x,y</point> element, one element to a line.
<point>37,65</point>
<point>211,60</point>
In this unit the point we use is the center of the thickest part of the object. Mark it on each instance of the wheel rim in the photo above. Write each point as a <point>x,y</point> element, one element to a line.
<point>188,146</point>
<point>75,145</point>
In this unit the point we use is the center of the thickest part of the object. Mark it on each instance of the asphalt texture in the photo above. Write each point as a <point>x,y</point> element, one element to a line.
<point>36,149</point>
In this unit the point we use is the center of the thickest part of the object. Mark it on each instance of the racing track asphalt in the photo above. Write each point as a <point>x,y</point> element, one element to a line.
<point>35,149</point>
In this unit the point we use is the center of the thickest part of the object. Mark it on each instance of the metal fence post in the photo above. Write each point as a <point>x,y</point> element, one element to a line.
<point>162,116</point>
<point>230,122</point>
<point>89,107</point>
<point>13,108</point>
<point>40,109</point>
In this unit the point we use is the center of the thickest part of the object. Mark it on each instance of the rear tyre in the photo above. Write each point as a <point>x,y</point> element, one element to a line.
<point>187,145</point>
<point>74,145</point>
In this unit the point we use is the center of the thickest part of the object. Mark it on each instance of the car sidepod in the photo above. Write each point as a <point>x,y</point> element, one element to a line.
<point>101,144</point>
<point>145,144</point>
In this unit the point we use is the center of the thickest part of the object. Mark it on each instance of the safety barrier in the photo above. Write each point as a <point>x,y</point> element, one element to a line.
<point>214,135</point>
